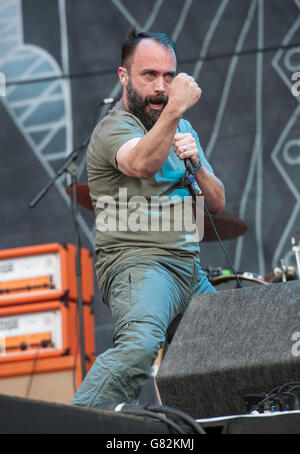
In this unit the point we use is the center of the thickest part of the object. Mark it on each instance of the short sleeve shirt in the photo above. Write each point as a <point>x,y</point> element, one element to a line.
<point>137,216</point>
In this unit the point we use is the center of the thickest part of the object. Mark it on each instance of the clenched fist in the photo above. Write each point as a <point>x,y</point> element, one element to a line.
<point>184,92</point>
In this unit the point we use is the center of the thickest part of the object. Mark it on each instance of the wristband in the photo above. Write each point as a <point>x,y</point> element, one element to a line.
<point>198,166</point>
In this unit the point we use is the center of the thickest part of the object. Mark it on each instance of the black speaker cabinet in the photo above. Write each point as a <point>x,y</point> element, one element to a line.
<point>27,416</point>
<point>230,344</point>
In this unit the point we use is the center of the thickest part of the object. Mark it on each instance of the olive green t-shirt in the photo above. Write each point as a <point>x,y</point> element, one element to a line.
<point>134,216</point>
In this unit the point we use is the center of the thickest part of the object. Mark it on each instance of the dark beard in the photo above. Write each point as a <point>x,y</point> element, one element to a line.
<point>137,106</point>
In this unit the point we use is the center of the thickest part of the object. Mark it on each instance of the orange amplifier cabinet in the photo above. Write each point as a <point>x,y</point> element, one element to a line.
<point>44,272</point>
<point>44,337</point>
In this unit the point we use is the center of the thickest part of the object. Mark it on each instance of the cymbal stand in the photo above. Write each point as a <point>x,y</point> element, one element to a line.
<point>71,168</point>
<point>296,249</point>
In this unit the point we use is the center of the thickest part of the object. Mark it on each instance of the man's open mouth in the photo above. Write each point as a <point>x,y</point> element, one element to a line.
<point>157,102</point>
<point>157,106</point>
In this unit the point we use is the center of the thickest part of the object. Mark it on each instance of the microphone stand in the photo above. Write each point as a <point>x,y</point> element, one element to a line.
<point>71,168</point>
<point>296,249</point>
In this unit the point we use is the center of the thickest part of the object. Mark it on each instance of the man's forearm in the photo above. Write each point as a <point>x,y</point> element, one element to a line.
<point>152,150</point>
<point>212,190</point>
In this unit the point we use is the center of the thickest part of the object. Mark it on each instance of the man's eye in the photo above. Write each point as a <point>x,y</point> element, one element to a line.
<point>149,75</point>
<point>169,77</point>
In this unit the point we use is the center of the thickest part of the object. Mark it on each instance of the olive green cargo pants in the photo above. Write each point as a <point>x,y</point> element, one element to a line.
<point>145,295</point>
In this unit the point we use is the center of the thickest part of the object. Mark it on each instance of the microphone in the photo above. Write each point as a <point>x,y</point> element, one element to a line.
<point>106,101</point>
<point>188,165</point>
<point>190,179</point>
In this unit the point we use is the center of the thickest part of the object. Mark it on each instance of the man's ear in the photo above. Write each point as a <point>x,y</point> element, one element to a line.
<point>123,76</point>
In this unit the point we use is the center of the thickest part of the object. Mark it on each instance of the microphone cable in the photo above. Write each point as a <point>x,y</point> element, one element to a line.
<point>192,186</point>
<point>162,413</point>
<point>137,410</point>
<point>176,412</point>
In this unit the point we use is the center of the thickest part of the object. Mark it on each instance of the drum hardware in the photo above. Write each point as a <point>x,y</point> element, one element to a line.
<point>228,281</point>
<point>283,270</point>
<point>296,249</point>
<point>211,272</point>
<point>221,273</point>
<point>284,273</point>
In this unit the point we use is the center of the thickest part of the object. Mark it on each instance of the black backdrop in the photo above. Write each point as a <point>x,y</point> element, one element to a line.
<point>60,59</point>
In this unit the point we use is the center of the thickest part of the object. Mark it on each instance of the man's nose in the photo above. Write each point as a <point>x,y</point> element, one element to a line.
<point>159,85</point>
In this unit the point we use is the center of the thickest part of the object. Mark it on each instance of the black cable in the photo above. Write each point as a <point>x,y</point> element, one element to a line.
<point>296,402</point>
<point>222,246</point>
<point>297,387</point>
<point>295,384</point>
<point>139,411</point>
<point>77,347</point>
<point>268,396</point>
<point>295,399</point>
<point>275,392</point>
<point>292,386</point>
<point>256,408</point>
<point>174,411</point>
<point>195,191</point>
<point>29,384</point>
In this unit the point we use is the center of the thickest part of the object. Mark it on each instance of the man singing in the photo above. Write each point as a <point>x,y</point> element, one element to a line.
<point>146,275</point>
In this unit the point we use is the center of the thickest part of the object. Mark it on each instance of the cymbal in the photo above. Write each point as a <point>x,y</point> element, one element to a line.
<point>228,225</point>
<point>83,195</point>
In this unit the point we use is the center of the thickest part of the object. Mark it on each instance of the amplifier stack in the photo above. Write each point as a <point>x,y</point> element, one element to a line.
<point>39,321</point>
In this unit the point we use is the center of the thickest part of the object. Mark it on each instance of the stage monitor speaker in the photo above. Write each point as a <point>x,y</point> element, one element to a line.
<point>230,344</point>
<point>287,423</point>
<point>26,416</point>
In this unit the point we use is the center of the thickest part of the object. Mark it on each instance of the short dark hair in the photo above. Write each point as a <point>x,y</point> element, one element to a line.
<point>134,37</point>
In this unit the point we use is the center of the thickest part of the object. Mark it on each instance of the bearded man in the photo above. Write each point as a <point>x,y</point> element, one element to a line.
<point>146,275</point>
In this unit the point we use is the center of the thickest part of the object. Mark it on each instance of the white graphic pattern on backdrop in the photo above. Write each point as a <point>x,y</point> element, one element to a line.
<point>287,149</point>
<point>41,109</point>
<point>51,139</point>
